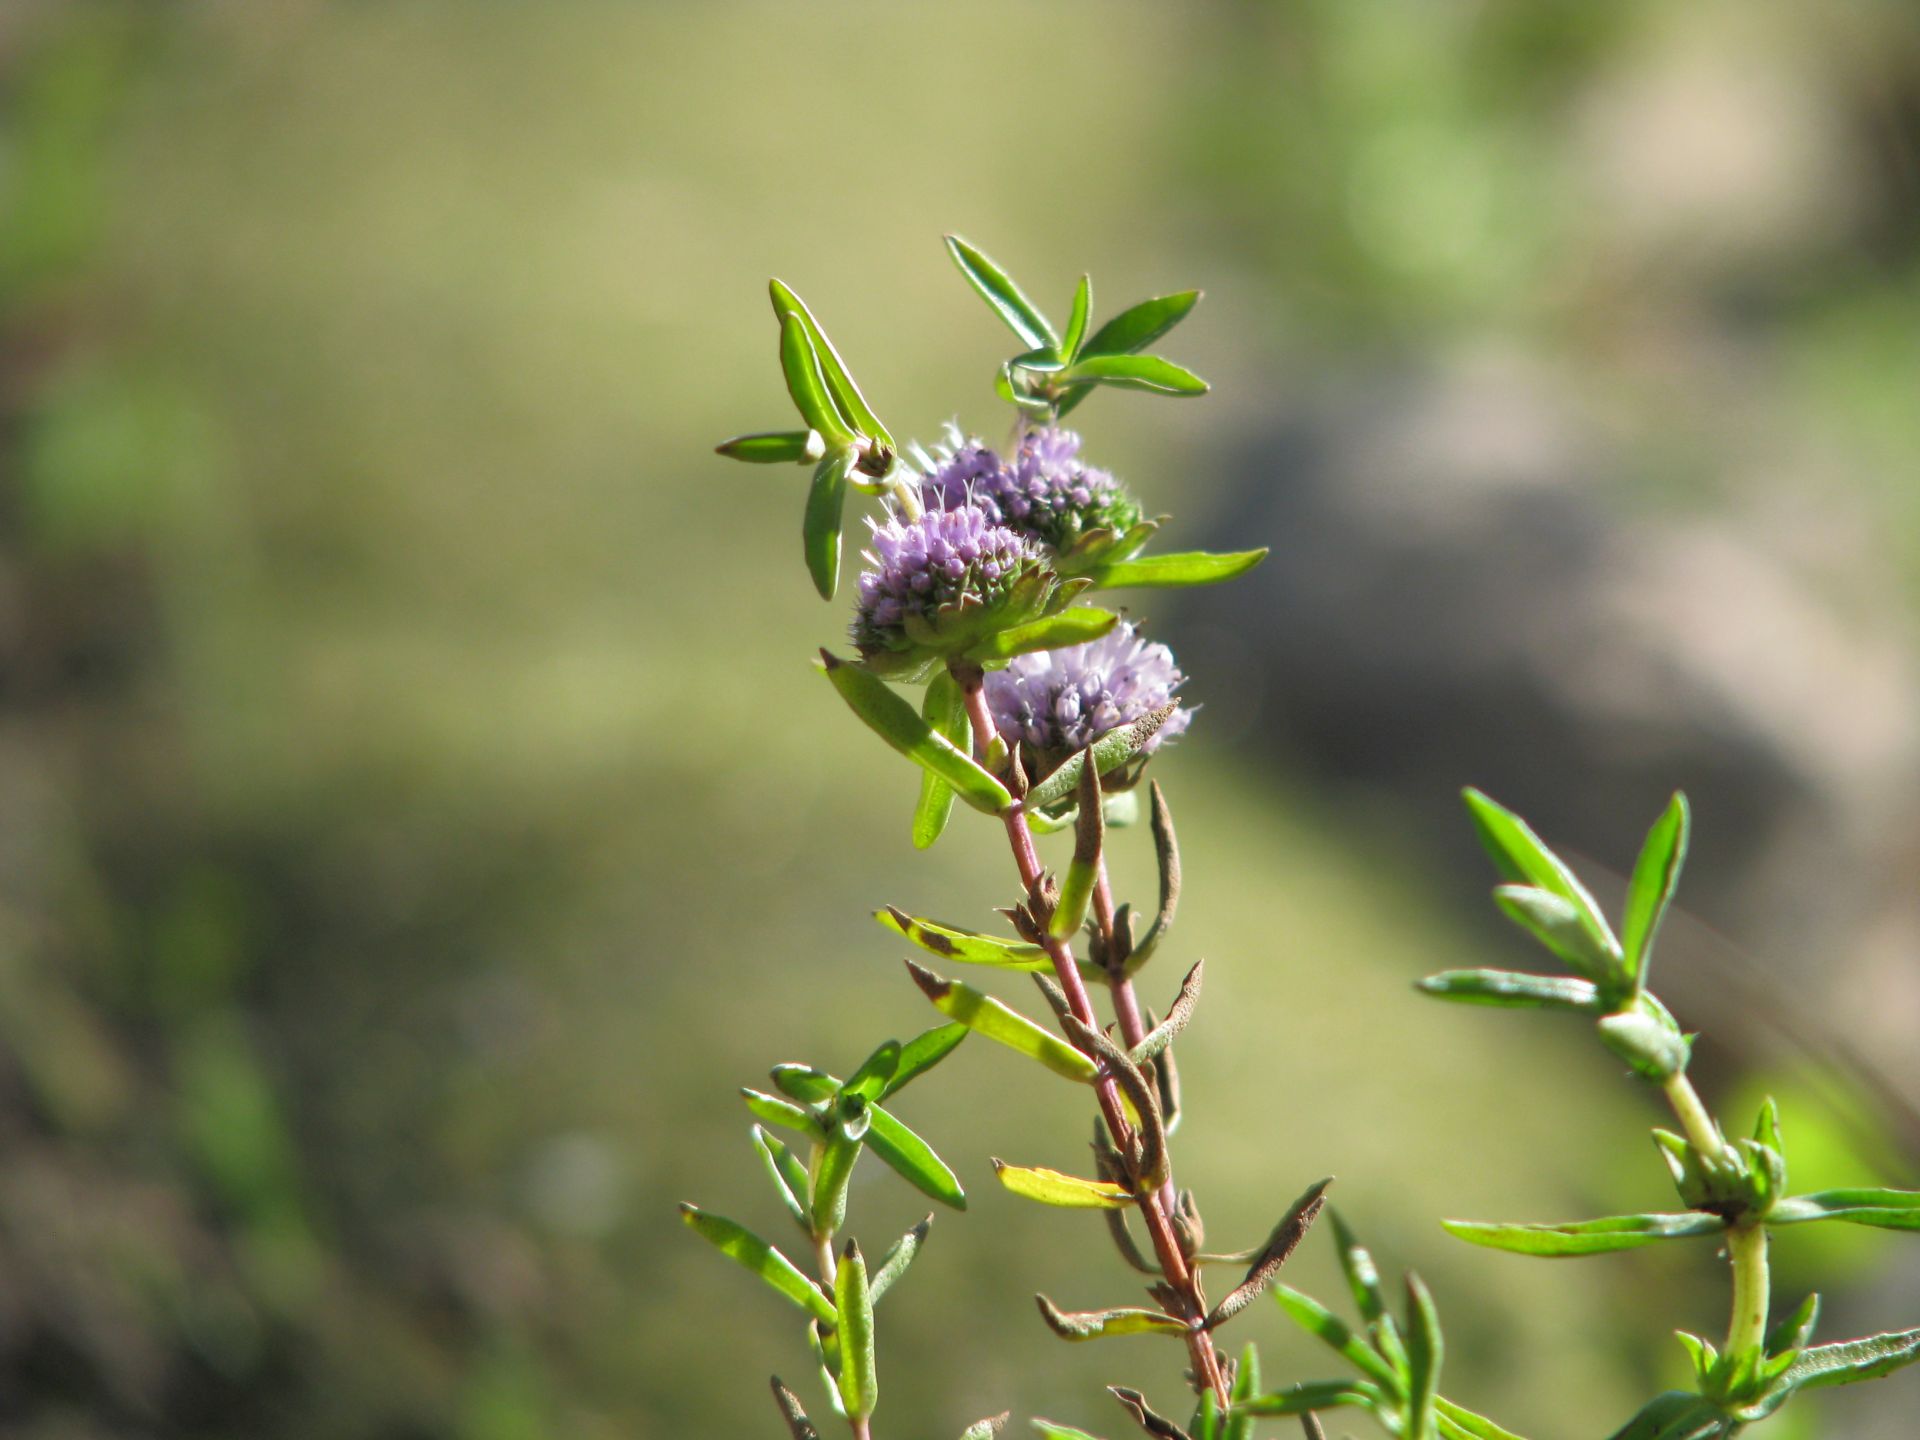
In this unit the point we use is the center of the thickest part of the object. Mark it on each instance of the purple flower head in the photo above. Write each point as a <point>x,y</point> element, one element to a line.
<point>1055,702</point>
<point>1044,491</point>
<point>923,571</point>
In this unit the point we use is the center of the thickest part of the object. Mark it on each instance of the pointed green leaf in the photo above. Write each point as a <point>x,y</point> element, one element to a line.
<point>1177,571</point>
<point>1068,1192</point>
<point>1424,1353</point>
<point>967,946</point>
<point>1587,1237</point>
<point>804,1083</point>
<point>1558,925</point>
<point>1112,749</point>
<point>1881,1209</point>
<point>1793,1332</point>
<point>859,1375</point>
<point>913,1159</point>
<point>1076,886</point>
<point>1104,1324</point>
<point>1511,989</point>
<point>1655,874</point>
<point>988,1428</point>
<point>848,401</point>
<point>832,1169</point>
<point>1077,319</point>
<point>896,722</point>
<point>996,1021</point>
<point>1651,1044</point>
<point>945,712</point>
<point>783,1113</point>
<point>1523,858</point>
<point>996,287</point>
<point>899,1256</point>
<point>820,527</point>
<point>741,1245</point>
<point>774,447</point>
<point>1363,1280</point>
<point>1676,1415</point>
<point>1166,850</point>
<point>1315,1395</point>
<point>1152,373</point>
<point>1140,325</point>
<point>922,1053</point>
<point>789,1176</point>
<point>1070,627</point>
<point>1321,1323</point>
<point>1459,1423</point>
<point>1851,1360</point>
<point>874,1072</point>
<point>800,364</point>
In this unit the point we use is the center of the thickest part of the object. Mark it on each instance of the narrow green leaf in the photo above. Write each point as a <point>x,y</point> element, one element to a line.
<point>1321,1323</point>
<point>747,1249</point>
<point>913,1159</point>
<point>1587,1237</point>
<point>1522,857</point>
<point>804,1083</point>
<point>774,447</point>
<point>1068,1192</point>
<point>832,1169</point>
<point>967,946</point>
<point>899,1256</point>
<point>789,1176</point>
<point>783,1113</point>
<point>1166,850</point>
<point>1513,990</point>
<point>896,722</point>
<point>1655,874</point>
<point>1052,1431</point>
<point>1459,1423</point>
<point>988,1428</point>
<point>1178,1014</point>
<point>1851,1360</point>
<point>1559,925</point>
<point>820,527</point>
<point>1881,1209</point>
<point>1795,1329</point>
<point>996,1021</point>
<point>859,1374</point>
<point>1176,571</point>
<point>1112,749</point>
<point>1069,627</point>
<point>922,1053</point>
<point>1140,325</point>
<point>945,711</point>
<point>1424,1353</point>
<point>1076,886</point>
<point>1315,1395</point>
<point>875,1071</point>
<point>839,384</point>
<point>1676,1415</point>
<point>1105,1324</point>
<point>1077,319</point>
<point>996,287</point>
<point>1152,373</point>
<point>800,364</point>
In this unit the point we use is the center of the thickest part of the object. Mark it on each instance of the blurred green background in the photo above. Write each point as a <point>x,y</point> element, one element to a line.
<point>419,816</point>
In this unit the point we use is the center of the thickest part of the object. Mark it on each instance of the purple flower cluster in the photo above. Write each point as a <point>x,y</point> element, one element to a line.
<point>920,567</point>
<point>1055,702</point>
<point>1044,492</point>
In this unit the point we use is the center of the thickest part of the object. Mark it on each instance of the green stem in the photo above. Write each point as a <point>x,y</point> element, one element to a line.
<point>1694,1118</point>
<point>1747,1246</point>
<point>1746,1241</point>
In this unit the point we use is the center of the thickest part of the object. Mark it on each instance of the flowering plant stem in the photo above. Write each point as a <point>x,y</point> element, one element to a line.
<point>1154,1204</point>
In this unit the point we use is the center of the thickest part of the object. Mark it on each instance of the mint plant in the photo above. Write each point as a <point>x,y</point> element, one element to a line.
<point>1042,711</point>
